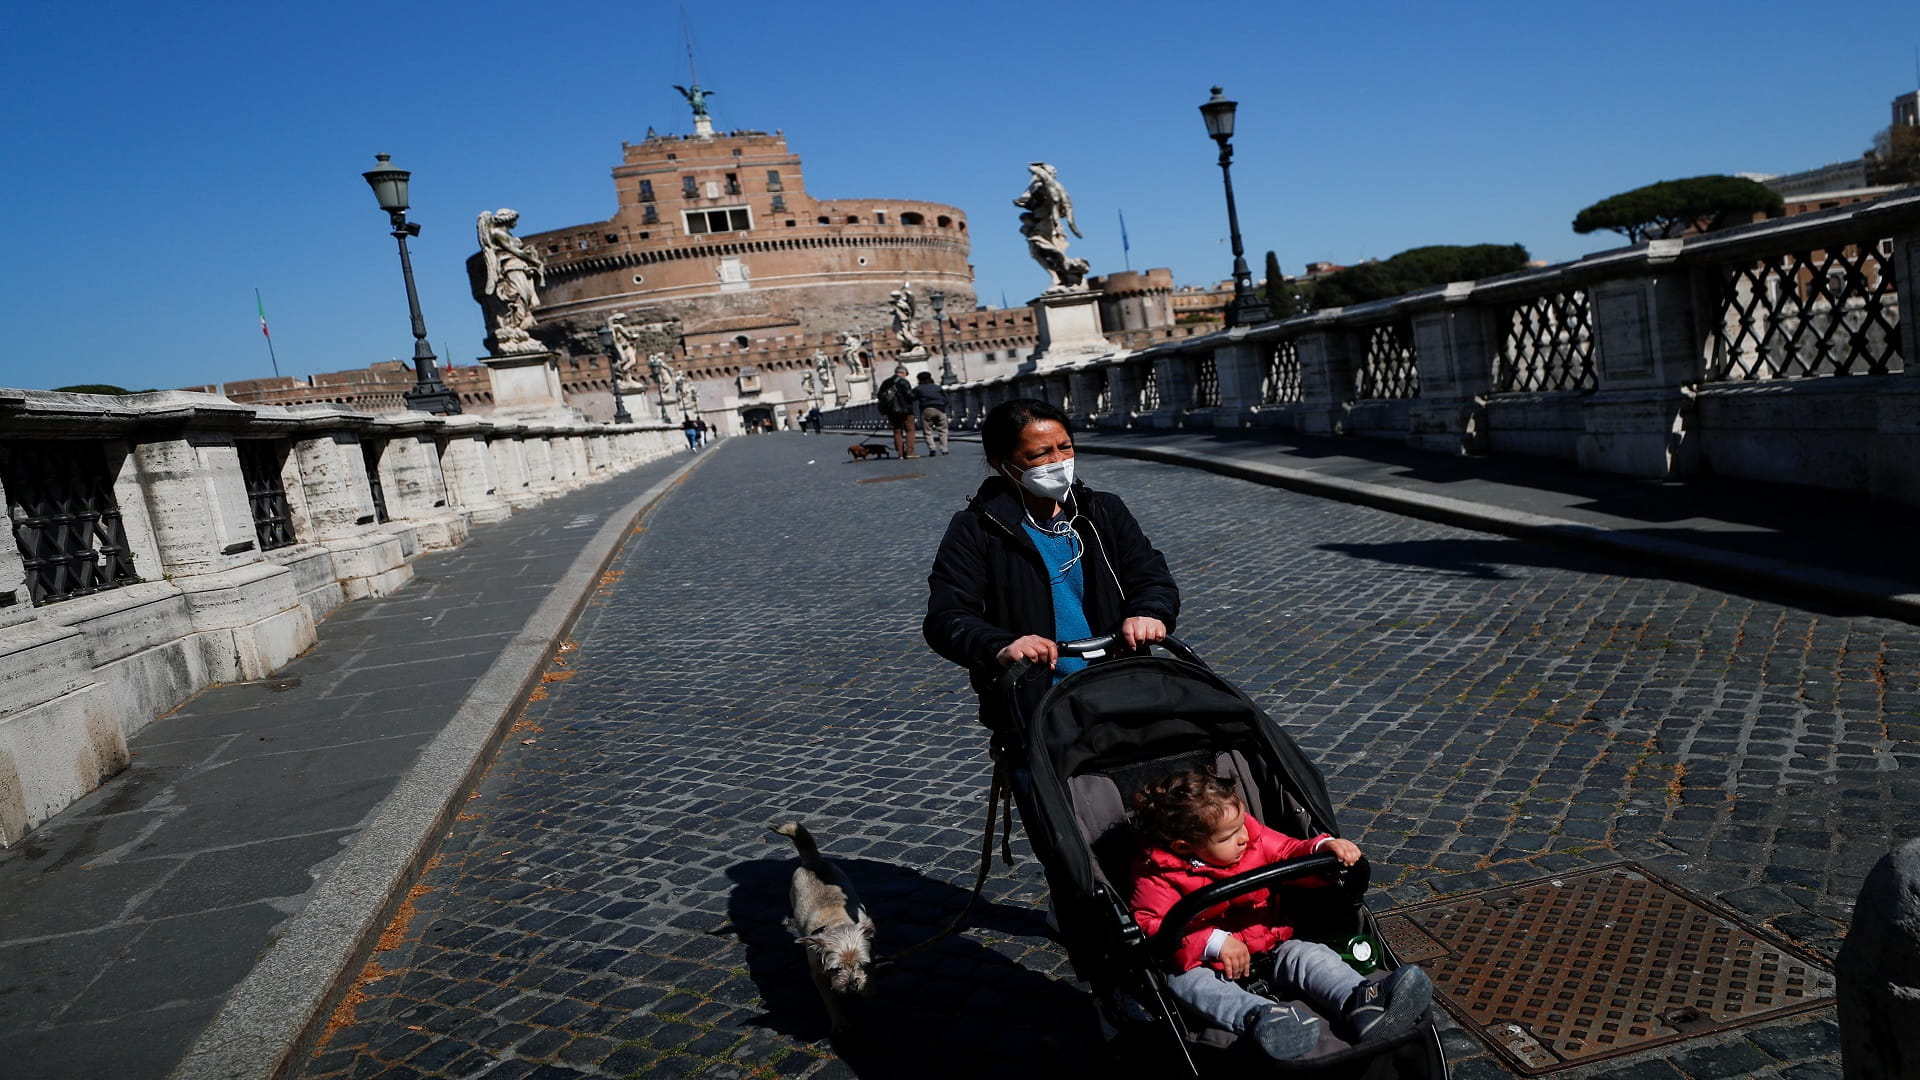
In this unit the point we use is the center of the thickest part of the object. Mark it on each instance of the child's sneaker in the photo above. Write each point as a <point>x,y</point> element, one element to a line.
<point>1380,1009</point>
<point>1284,1031</point>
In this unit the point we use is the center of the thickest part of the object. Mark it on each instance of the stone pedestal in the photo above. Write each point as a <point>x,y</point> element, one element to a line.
<point>859,389</point>
<point>1069,324</point>
<point>416,490</point>
<point>59,734</point>
<point>1641,420</point>
<point>526,386</point>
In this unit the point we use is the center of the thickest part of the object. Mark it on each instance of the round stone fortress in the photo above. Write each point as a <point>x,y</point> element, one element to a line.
<point>720,232</point>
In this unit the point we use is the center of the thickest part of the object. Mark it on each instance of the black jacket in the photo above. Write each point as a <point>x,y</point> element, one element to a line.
<point>928,395</point>
<point>989,585</point>
<point>902,395</point>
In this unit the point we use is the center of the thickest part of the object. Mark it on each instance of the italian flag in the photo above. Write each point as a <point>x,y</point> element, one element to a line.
<point>263,315</point>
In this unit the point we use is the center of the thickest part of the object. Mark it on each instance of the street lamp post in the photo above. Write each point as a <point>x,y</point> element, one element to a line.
<point>429,394</point>
<point>1247,307</point>
<point>659,386</point>
<point>620,413</point>
<point>947,377</point>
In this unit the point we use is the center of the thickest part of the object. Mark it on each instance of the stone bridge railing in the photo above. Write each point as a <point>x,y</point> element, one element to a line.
<point>1776,351</point>
<point>164,542</point>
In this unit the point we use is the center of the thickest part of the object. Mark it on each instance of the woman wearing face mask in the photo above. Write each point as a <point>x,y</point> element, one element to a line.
<point>1037,558</point>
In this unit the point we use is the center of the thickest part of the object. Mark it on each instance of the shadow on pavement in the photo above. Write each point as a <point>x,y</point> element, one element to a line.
<point>1493,559</point>
<point>965,1008</point>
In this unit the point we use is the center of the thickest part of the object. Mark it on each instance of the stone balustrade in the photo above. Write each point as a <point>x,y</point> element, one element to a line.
<point>165,542</point>
<point>1775,351</point>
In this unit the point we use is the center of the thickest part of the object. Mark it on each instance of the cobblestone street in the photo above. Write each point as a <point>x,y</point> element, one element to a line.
<point>1485,711</point>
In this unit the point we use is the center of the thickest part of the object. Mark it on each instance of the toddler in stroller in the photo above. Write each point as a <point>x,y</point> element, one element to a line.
<point>1196,831</point>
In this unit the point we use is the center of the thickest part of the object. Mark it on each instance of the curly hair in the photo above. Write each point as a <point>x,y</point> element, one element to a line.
<point>1182,806</point>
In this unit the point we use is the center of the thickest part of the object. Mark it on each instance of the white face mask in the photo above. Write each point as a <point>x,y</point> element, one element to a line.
<point>1051,481</point>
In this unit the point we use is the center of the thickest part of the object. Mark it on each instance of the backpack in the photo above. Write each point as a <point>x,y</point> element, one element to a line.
<point>890,398</point>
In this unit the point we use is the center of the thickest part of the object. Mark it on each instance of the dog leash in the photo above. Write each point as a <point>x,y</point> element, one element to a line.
<point>1000,799</point>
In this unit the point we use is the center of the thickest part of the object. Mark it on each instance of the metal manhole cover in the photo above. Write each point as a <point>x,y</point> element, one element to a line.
<point>1571,970</point>
<point>895,476</point>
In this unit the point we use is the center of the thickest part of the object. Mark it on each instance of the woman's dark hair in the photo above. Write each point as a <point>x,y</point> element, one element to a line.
<point>1000,431</point>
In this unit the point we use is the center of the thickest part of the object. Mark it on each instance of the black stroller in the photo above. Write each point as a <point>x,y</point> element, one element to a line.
<point>1093,740</point>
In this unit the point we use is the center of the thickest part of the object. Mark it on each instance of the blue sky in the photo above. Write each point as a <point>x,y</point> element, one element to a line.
<point>166,160</point>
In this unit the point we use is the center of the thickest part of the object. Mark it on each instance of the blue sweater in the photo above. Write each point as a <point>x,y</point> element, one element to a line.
<point>1069,591</point>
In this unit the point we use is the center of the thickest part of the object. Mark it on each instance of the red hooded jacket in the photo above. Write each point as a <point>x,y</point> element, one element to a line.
<point>1161,878</point>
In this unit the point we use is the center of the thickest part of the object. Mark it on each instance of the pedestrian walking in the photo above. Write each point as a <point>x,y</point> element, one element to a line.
<point>706,433</point>
<point>692,432</point>
<point>933,413</point>
<point>896,401</point>
<point>813,417</point>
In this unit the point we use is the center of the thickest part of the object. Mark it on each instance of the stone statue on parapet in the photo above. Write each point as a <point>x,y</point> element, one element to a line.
<point>514,273</point>
<point>850,353</point>
<point>1048,214</point>
<point>688,392</point>
<point>666,381</point>
<point>626,355</point>
<point>904,320</point>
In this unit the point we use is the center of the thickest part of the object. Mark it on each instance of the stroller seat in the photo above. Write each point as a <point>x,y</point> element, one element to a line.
<point>1095,738</point>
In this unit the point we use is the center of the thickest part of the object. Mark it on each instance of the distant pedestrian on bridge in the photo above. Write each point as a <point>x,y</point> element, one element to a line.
<point>691,431</point>
<point>895,398</point>
<point>933,413</point>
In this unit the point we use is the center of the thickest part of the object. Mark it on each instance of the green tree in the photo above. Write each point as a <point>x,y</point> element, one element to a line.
<point>1895,157</point>
<point>1658,209</point>
<point>1416,268</point>
<point>1281,298</point>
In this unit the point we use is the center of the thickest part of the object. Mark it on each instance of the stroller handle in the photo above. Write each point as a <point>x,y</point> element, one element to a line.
<point>1092,648</point>
<point>1174,927</point>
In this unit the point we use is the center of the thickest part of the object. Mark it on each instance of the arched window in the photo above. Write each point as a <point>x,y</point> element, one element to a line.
<point>943,221</point>
<point>910,218</point>
<point>742,341</point>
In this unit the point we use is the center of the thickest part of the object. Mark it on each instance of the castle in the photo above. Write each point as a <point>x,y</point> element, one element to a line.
<point>717,231</point>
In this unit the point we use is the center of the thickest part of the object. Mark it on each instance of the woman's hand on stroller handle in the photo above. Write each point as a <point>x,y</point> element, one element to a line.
<point>1029,650</point>
<point>1142,630</point>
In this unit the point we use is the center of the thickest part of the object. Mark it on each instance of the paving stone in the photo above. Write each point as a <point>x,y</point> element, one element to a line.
<point>1486,711</point>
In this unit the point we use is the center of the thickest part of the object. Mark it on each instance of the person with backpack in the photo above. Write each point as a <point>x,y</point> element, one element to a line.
<point>896,400</point>
<point>932,402</point>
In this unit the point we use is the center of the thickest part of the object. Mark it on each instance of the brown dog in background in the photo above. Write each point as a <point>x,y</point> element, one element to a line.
<point>829,919</point>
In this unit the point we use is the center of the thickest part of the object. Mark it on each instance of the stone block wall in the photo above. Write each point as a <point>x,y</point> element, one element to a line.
<point>209,539</point>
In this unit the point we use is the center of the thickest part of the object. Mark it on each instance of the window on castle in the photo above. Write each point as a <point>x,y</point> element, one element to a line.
<point>780,204</point>
<point>651,216</point>
<point>853,219</point>
<point>943,221</point>
<point>879,217</point>
<point>730,219</point>
<point>689,188</point>
<point>911,218</point>
<point>773,180</point>
<point>646,191</point>
<point>733,183</point>
<point>822,221</point>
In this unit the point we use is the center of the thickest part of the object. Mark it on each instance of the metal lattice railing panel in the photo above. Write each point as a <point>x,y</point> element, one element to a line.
<point>1149,397</point>
<point>1102,393</point>
<point>1548,345</point>
<point>370,452</point>
<point>1391,368</point>
<point>266,496</point>
<point>1206,384</point>
<point>1809,313</point>
<point>64,518</point>
<point>1280,382</point>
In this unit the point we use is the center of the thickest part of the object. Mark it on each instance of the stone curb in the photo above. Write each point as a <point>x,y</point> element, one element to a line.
<point>270,1019</point>
<point>1874,595</point>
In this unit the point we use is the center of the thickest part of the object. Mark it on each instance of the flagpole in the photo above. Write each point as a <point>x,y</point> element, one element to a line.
<point>1126,249</point>
<point>261,306</point>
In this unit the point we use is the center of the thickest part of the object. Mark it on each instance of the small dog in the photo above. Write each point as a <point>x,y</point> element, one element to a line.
<point>857,452</point>
<point>831,922</point>
<point>863,451</point>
